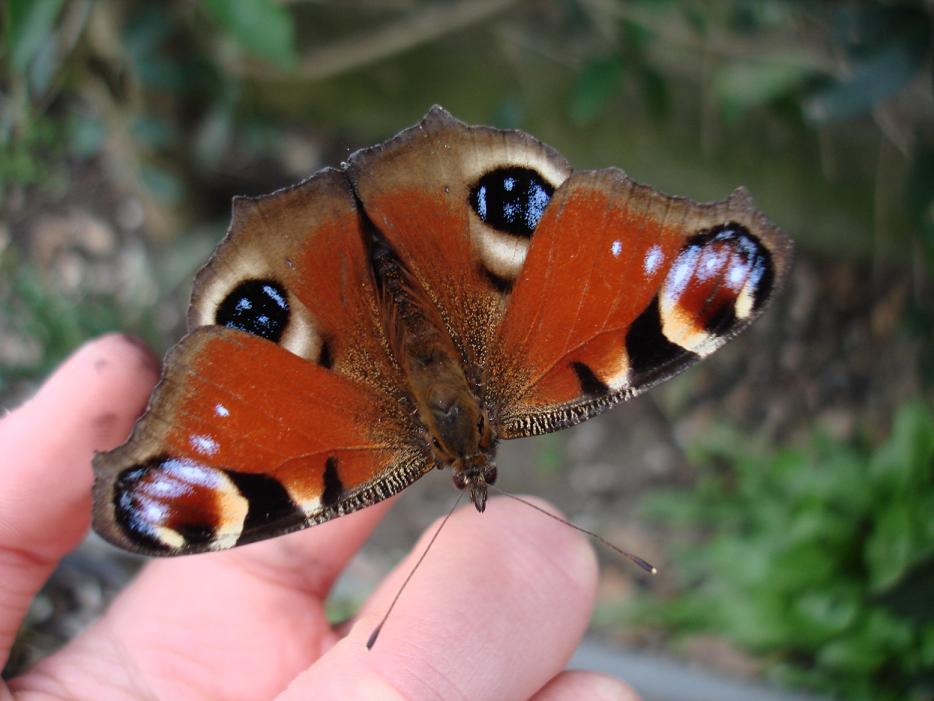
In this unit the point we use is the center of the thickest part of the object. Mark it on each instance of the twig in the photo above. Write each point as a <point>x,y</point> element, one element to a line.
<point>420,26</point>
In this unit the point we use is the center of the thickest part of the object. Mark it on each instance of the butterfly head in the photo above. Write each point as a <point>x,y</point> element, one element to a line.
<point>475,477</point>
<point>464,440</point>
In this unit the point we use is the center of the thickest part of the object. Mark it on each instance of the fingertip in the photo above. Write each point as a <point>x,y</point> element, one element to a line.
<point>109,380</point>
<point>512,545</point>
<point>88,404</point>
<point>130,352</point>
<point>573,685</point>
<point>570,551</point>
<point>113,350</point>
<point>494,611</point>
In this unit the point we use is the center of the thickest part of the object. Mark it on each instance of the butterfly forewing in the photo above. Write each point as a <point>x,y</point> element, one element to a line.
<point>623,288</point>
<point>423,190</point>
<point>293,269</point>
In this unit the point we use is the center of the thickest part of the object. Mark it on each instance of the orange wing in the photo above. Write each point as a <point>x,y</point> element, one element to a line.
<point>244,440</point>
<point>294,269</point>
<point>283,407</point>
<point>563,293</point>
<point>419,190</point>
<point>622,288</point>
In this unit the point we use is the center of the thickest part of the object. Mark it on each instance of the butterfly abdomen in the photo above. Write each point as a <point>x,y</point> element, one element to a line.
<point>449,409</point>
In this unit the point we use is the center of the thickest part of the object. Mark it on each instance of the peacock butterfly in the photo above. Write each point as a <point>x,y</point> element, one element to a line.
<point>449,288</point>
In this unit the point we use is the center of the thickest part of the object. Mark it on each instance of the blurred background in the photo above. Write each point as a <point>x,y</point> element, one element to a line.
<point>784,488</point>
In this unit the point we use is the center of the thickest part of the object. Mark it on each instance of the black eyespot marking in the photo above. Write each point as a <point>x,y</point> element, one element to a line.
<point>722,320</point>
<point>651,355</point>
<point>333,487</point>
<point>166,492</point>
<point>269,506</point>
<point>127,508</point>
<point>326,356</point>
<point>511,199</point>
<point>591,385</point>
<point>197,534</point>
<point>750,248</point>
<point>259,307</point>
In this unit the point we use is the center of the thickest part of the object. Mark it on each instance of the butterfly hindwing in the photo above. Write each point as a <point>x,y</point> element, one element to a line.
<point>244,440</point>
<point>622,288</point>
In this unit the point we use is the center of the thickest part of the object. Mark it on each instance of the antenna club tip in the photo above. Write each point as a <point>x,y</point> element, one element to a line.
<point>373,636</point>
<point>654,570</point>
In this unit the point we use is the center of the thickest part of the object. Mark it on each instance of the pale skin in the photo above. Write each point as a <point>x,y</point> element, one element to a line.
<point>494,612</point>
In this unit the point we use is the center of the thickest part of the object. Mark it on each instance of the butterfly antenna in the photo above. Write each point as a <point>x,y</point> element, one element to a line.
<point>635,559</point>
<point>376,631</point>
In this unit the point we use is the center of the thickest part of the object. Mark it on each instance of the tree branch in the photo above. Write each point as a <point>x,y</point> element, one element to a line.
<point>421,26</point>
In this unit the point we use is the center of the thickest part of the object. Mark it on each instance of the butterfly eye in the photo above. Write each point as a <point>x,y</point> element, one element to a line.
<point>511,200</point>
<point>259,307</point>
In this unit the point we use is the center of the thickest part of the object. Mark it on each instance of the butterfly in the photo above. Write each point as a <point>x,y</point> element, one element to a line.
<point>450,288</point>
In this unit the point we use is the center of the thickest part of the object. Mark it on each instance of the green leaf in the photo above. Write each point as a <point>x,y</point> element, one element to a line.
<point>821,614</point>
<point>926,648</point>
<point>261,27</point>
<point>902,471</point>
<point>896,544</point>
<point>872,80</point>
<point>892,465</point>
<point>654,91</point>
<point>28,25</point>
<point>741,86</point>
<point>911,597</point>
<point>596,84</point>
<point>824,555</point>
<point>854,654</point>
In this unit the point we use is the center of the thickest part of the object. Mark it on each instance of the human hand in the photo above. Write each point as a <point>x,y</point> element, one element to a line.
<point>494,613</point>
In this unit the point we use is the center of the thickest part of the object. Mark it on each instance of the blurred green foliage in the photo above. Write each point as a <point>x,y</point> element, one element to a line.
<point>168,91</point>
<point>262,27</point>
<point>824,109</point>
<point>54,324</point>
<point>820,559</point>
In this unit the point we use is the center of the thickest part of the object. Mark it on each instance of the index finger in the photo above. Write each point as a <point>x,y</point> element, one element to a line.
<point>496,610</point>
<point>46,445</point>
